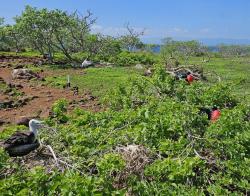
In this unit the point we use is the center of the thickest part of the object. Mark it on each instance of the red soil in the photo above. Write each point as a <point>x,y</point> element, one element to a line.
<point>45,96</point>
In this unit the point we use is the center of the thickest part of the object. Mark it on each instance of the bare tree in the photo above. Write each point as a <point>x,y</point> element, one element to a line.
<point>132,41</point>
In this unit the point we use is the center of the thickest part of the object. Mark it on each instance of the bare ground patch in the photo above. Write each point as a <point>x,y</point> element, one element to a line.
<point>38,96</point>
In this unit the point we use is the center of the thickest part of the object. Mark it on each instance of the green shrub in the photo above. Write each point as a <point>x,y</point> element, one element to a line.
<point>189,155</point>
<point>126,58</point>
<point>59,110</point>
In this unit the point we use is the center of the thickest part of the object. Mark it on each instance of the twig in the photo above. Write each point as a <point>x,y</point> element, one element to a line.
<point>53,154</point>
<point>214,73</point>
<point>47,127</point>
<point>196,137</point>
<point>204,158</point>
<point>174,72</point>
<point>199,138</point>
<point>157,88</point>
<point>190,144</point>
<point>116,129</point>
<point>61,161</point>
<point>71,166</point>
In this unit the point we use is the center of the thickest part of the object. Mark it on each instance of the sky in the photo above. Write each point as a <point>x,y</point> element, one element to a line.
<point>181,19</point>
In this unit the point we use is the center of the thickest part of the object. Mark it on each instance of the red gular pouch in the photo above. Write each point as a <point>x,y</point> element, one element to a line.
<point>190,78</point>
<point>215,115</point>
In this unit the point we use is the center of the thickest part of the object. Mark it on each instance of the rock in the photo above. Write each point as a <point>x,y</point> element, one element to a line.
<point>73,102</point>
<point>83,100</point>
<point>23,120</point>
<point>2,80</point>
<point>86,63</point>
<point>6,104</point>
<point>24,74</point>
<point>38,63</point>
<point>148,72</point>
<point>110,64</point>
<point>2,122</point>
<point>82,73</point>
<point>91,97</point>
<point>139,66</point>
<point>18,86</point>
<point>7,91</point>
<point>48,92</point>
<point>42,79</point>
<point>18,67</point>
<point>23,101</point>
<point>11,93</point>
<point>33,97</point>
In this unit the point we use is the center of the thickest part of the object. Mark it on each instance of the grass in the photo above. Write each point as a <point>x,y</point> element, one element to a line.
<point>5,89</point>
<point>231,70</point>
<point>100,80</point>
<point>2,86</point>
<point>97,80</point>
<point>8,130</point>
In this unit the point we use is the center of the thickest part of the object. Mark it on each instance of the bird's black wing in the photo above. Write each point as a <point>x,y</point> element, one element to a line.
<point>205,111</point>
<point>19,138</point>
<point>181,75</point>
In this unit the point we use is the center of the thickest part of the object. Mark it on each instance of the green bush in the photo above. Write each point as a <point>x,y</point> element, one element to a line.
<point>126,58</point>
<point>59,110</point>
<point>189,155</point>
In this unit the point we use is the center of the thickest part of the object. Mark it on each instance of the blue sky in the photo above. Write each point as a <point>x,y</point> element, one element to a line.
<point>181,19</point>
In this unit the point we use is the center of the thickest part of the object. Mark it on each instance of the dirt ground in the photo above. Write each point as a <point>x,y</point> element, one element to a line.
<point>42,96</point>
<point>11,61</point>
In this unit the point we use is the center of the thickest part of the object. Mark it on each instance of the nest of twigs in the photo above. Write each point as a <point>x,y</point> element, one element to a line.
<point>38,158</point>
<point>136,158</point>
<point>197,72</point>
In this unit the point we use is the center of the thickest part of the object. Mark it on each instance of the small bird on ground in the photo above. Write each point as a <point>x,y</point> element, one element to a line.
<point>22,143</point>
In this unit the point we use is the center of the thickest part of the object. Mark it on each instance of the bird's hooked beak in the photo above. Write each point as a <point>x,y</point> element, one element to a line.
<point>41,124</point>
<point>38,123</point>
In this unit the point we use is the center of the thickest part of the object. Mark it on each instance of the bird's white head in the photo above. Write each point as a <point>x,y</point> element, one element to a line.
<point>34,125</point>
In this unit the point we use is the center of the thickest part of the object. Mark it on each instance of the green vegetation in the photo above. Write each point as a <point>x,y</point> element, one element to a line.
<point>5,89</point>
<point>151,139</point>
<point>233,70</point>
<point>184,153</point>
<point>55,31</point>
<point>181,50</point>
<point>97,80</point>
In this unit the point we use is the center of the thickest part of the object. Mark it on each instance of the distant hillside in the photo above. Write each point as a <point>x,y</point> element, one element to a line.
<point>205,41</point>
<point>157,48</point>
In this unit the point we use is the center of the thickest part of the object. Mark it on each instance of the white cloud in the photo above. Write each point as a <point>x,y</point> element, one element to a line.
<point>205,30</point>
<point>175,31</point>
<point>178,30</point>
